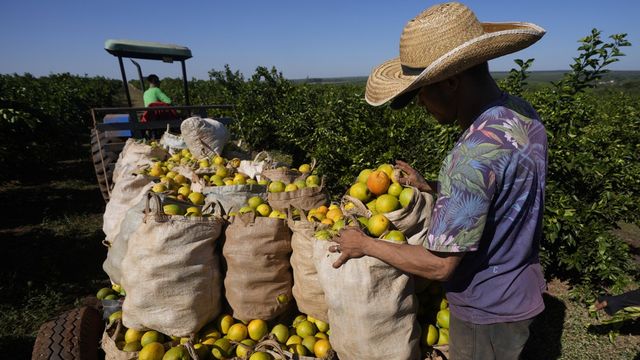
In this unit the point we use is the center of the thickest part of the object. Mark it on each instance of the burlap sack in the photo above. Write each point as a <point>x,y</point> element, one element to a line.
<point>306,198</point>
<point>306,286</point>
<point>372,307</point>
<point>413,220</point>
<point>257,250</point>
<point>125,194</point>
<point>274,172</point>
<point>118,246</point>
<point>134,155</point>
<point>108,344</point>
<point>171,272</point>
<point>204,137</point>
<point>233,196</point>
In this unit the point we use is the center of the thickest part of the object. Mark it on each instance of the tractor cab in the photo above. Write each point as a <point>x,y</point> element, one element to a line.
<point>113,126</point>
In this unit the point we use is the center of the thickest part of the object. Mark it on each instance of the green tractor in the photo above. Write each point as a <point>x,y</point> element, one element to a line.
<point>113,126</point>
<point>75,334</point>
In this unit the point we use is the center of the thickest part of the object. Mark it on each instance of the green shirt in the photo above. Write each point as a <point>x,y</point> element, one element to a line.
<point>154,94</point>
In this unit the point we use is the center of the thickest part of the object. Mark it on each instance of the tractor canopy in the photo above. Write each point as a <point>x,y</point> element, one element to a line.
<point>147,50</point>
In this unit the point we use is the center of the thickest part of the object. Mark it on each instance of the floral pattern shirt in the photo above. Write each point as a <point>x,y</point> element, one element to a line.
<point>489,206</point>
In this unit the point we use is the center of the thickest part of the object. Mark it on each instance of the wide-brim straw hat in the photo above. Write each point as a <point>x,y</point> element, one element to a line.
<point>440,42</point>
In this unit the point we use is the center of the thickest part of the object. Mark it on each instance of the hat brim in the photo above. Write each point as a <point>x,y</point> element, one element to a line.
<point>386,82</point>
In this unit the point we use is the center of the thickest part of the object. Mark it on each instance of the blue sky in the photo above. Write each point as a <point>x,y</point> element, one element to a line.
<point>301,38</point>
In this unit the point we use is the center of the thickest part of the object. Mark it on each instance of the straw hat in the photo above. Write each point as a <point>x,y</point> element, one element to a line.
<point>440,42</point>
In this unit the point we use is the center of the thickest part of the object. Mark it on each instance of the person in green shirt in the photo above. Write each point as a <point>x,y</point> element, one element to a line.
<point>153,94</point>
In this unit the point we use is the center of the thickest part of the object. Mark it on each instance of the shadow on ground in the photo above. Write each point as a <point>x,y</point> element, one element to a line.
<point>546,331</point>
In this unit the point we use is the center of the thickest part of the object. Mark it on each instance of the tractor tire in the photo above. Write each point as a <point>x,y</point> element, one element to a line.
<point>103,162</point>
<point>74,335</point>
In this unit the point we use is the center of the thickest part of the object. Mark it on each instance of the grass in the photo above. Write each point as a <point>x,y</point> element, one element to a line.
<point>565,331</point>
<point>51,236</point>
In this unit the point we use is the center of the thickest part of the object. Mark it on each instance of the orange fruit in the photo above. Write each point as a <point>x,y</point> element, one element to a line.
<point>430,336</point>
<point>364,175</point>
<point>405,196</point>
<point>378,224</point>
<point>396,236</point>
<point>321,348</point>
<point>359,191</point>
<point>387,203</point>
<point>387,168</point>
<point>378,182</point>
<point>237,332</point>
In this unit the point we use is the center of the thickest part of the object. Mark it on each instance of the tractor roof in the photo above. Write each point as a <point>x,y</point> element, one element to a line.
<point>147,50</point>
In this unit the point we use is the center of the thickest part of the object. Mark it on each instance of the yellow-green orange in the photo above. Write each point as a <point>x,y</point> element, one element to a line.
<point>237,332</point>
<point>151,336</point>
<point>276,187</point>
<point>263,209</point>
<point>364,175</point>
<point>133,335</point>
<point>241,351</point>
<point>132,346</point>
<point>395,189</point>
<point>312,180</point>
<point>260,355</point>
<point>322,326</point>
<point>321,348</point>
<point>443,318</point>
<point>395,236</point>
<point>152,351</point>
<point>281,332</point>
<point>298,349</point>
<point>290,187</point>
<point>254,201</point>
<point>430,336</point>
<point>220,349</point>
<point>173,209</point>
<point>309,342</point>
<point>104,292</point>
<point>196,198</point>
<point>359,191</point>
<point>387,203</point>
<point>405,196</point>
<point>257,329</point>
<point>176,353</point>
<point>443,337</point>
<point>378,224</point>
<point>293,340</point>
<point>115,316</point>
<point>304,168</point>
<point>306,328</point>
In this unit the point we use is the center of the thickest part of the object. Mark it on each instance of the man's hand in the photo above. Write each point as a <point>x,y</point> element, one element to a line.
<point>412,177</point>
<point>350,244</point>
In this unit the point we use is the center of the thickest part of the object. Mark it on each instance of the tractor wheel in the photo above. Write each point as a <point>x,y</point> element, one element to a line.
<point>103,164</point>
<point>74,335</point>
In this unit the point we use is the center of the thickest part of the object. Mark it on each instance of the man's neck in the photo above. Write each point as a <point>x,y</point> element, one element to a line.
<point>475,100</point>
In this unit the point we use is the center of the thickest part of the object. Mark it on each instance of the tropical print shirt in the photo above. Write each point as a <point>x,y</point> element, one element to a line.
<point>489,206</point>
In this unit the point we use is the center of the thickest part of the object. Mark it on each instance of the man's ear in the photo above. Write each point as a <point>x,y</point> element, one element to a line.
<point>451,84</point>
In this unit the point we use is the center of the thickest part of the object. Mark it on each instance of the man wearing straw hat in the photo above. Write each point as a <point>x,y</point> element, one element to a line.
<point>487,221</point>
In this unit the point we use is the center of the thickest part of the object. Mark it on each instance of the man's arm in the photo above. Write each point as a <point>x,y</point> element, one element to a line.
<point>162,96</point>
<point>414,259</point>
